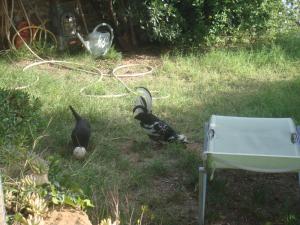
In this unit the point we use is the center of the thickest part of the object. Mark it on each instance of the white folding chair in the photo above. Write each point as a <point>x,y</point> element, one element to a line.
<point>268,145</point>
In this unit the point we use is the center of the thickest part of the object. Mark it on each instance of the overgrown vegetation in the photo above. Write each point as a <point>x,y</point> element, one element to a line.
<point>20,117</point>
<point>27,202</point>
<point>254,71</point>
<point>23,168</point>
<point>123,175</point>
<point>214,23</point>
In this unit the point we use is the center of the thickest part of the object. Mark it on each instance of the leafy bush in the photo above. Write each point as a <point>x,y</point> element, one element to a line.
<point>20,124</point>
<point>20,118</point>
<point>240,21</point>
<point>163,21</point>
<point>62,196</point>
<point>293,10</point>
<point>27,199</point>
<point>219,22</point>
<point>192,22</point>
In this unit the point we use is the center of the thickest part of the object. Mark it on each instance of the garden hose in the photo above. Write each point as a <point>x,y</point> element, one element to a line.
<point>150,70</point>
<point>32,38</point>
<point>96,71</point>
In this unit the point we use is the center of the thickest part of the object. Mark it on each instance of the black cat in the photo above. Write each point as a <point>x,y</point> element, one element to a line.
<point>81,132</point>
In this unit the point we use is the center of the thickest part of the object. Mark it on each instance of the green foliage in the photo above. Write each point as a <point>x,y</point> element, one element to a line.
<point>113,54</point>
<point>290,44</point>
<point>218,22</point>
<point>26,201</point>
<point>44,48</point>
<point>24,198</point>
<point>157,167</point>
<point>291,219</point>
<point>244,21</point>
<point>163,22</point>
<point>20,118</point>
<point>259,81</point>
<point>194,29</point>
<point>61,196</point>
<point>197,22</point>
<point>293,10</point>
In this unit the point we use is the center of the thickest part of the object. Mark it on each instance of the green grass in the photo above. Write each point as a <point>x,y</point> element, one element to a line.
<point>263,81</point>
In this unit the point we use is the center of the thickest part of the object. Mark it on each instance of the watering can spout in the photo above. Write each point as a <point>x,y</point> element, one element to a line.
<point>85,43</point>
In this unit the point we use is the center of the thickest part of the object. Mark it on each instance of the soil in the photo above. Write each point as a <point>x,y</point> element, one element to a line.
<point>67,216</point>
<point>234,197</point>
<point>241,197</point>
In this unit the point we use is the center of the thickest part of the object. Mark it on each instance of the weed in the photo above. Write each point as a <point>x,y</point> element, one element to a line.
<point>157,167</point>
<point>262,81</point>
<point>20,116</point>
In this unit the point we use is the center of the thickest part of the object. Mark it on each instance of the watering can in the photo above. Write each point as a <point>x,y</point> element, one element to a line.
<point>98,43</point>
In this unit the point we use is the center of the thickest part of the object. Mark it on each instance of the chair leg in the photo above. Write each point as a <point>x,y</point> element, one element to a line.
<point>2,206</point>
<point>202,194</point>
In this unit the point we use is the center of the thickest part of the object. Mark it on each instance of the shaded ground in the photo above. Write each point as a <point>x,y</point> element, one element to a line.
<point>168,191</point>
<point>165,179</point>
<point>235,197</point>
<point>241,197</point>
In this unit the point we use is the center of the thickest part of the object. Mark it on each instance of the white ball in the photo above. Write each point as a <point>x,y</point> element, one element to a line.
<point>79,152</point>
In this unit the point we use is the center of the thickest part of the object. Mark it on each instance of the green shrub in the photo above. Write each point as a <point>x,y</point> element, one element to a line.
<point>20,117</point>
<point>192,22</point>
<point>160,20</point>
<point>218,22</point>
<point>245,21</point>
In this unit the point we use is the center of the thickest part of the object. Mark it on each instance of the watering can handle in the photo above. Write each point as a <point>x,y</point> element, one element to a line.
<point>110,31</point>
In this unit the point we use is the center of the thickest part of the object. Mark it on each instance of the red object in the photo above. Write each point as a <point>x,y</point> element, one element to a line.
<point>25,34</point>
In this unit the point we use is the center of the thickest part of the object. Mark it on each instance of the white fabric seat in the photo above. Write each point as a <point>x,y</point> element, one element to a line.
<point>255,144</point>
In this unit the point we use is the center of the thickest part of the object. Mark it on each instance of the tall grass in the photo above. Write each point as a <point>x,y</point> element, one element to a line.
<point>261,81</point>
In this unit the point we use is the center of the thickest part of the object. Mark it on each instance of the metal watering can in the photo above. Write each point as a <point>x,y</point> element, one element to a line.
<point>98,43</point>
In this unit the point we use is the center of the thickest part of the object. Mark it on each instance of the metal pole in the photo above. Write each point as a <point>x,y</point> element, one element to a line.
<point>202,194</point>
<point>203,180</point>
<point>2,207</point>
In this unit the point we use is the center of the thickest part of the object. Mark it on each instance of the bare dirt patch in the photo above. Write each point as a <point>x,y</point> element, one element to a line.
<point>126,148</point>
<point>248,198</point>
<point>194,147</point>
<point>67,216</point>
<point>143,58</point>
<point>177,198</point>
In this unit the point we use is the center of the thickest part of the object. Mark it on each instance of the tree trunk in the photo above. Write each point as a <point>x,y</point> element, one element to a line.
<point>113,16</point>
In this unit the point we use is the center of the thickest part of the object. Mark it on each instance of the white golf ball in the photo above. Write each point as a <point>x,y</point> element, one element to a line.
<point>79,152</point>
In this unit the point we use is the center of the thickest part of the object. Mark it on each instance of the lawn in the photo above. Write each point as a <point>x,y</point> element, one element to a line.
<point>160,185</point>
